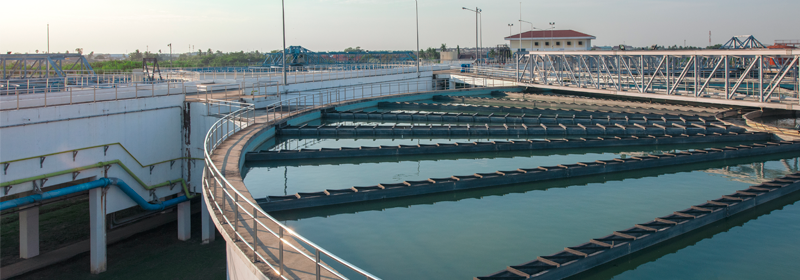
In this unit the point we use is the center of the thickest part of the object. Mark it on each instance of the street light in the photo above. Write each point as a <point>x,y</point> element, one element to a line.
<point>532,28</point>
<point>477,48</point>
<point>552,26</point>
<point>416,7</point>
<point>170,54</point>
<point>509,28</point>
<point>283,20</point>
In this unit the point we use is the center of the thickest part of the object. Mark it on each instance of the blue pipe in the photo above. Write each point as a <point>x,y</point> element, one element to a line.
<point>143,203</point>
<point>100,183</point>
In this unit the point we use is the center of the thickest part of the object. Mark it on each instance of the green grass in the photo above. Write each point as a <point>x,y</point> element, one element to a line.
<point>60,223</point>
<point>156,254</point>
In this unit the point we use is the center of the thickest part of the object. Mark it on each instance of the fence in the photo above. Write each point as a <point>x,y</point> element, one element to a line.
<point>249,223</point>
<point>104,87</point>
<point>237,212</point>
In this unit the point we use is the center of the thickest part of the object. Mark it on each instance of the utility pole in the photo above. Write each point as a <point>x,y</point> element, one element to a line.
<point>481,24</point>
<point>477,46</point>
<point>416,7</point>
<point>283,19</point>
<point>48,38</point>
<point>170,54</point>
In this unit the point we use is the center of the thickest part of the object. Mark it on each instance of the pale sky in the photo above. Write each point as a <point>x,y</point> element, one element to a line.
<point>332,25</point>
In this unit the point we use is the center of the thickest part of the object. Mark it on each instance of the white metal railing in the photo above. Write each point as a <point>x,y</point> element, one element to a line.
<point>28,93</point>
<point>17,99</point>
<point>239,213</point>
<point>310,100</point>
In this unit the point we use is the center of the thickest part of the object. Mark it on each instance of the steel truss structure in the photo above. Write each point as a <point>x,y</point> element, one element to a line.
<point>300,56</point>
<point>743,42</point>
<point>25,66</point>
<point>753,75</point>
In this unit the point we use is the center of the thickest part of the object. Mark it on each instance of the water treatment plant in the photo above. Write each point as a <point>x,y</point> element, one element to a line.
<point>556,162</point>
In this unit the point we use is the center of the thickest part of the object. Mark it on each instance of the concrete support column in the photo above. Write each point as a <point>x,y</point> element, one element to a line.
<point>29,233</point>
<point>184,220</point>
<point>452,84</point>
<point>97,228</point>
<point>208,228</point>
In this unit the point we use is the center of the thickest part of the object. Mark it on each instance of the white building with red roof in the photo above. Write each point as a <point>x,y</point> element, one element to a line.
<point>550,40</point>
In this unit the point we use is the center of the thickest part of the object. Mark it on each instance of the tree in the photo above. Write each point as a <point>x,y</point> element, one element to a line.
<point>458,51</point>
<point>136,55</point>
<point>209,51</point>
<point>79,50</point>
<point>356,49</point>
<point>444,47</point>
<point>715,47</point>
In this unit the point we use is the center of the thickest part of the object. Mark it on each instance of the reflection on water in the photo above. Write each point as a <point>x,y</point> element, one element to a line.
<point>460,235</point>
<point>289,177</point>
<point>465,234</point>
<point>782,122</point>
<point>729,249</point>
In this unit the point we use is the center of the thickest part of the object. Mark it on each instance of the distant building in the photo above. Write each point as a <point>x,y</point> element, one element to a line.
<point>550,40</point>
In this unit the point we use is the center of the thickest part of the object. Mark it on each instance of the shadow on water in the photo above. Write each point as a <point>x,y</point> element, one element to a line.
<point>633,261</point>
<point>379,205</point>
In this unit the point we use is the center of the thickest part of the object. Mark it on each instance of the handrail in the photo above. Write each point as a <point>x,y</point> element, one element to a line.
<point>124,87</point>
<point>99,165</point>
<point>212,140</point>
<point>238,203</point>
<point>94,147</point>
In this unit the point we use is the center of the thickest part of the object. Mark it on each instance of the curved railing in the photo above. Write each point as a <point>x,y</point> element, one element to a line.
<point>238,212</point>
<point>244,217</point>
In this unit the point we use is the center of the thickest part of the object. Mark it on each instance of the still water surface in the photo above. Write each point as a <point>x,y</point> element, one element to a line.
<point>289,177</point>
<point>473,233</point>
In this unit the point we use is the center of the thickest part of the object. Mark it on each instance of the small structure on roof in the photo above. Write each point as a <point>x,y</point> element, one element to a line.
<point>550,40</point>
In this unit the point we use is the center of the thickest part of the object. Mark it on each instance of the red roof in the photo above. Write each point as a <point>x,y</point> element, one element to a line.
<point>551,34</point>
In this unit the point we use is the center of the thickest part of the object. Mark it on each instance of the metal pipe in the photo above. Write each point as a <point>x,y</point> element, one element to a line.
<point>100,183</point>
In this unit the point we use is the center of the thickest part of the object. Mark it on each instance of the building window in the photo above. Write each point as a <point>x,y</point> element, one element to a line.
<point>536,44</point>
<point>569,43</point>
<point>580,43</point>
<point>558,43</point>
<point>546,43</point>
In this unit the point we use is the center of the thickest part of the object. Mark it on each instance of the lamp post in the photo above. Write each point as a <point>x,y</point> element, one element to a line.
<point>416,7</point>
<point>283,20</point>
<point>552,26</point>
<point>477,48</point>
<point>509,28</point>
<point>170,54</point>
<point>532,28</point>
